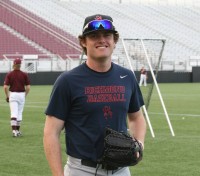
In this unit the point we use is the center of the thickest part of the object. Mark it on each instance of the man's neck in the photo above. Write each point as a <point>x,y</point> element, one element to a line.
<point>99,66</point>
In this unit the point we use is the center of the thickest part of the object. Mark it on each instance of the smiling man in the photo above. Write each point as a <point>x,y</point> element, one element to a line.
<point>95,95</point>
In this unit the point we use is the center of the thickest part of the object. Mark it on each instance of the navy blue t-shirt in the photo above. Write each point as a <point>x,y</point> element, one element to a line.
<point>88,101</point>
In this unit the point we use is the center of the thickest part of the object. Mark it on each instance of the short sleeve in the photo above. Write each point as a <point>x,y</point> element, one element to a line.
<point>59,103</point>
<point>136,99</point>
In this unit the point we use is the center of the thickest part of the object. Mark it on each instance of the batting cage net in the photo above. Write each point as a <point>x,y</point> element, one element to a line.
<point>135,54</point>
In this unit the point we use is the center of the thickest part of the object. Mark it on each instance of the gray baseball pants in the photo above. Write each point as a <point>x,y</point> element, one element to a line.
<point>74,167</point>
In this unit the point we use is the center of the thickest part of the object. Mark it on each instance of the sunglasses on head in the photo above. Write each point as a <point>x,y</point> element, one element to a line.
<point>99,24</point>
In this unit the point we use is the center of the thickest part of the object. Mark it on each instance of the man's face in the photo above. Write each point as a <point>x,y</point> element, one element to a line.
<point>100,45</point>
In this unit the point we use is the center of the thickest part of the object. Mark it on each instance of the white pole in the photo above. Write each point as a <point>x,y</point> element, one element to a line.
<point>129,61</point>
<point>144,108</point>
<point>148,120</point>
<point>162,102</point>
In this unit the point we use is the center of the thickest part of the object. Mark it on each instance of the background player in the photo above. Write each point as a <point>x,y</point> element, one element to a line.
<point>143,77</point>
<point>16,88</point>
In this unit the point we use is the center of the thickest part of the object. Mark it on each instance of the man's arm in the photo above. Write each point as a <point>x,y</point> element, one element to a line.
<point>27,89</point>
<point>52,147</point>
<point>137,125</point>
<point>6,90</point>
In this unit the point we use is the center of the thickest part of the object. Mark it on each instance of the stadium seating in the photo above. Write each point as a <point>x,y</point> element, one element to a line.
<point>39,31</point>
<point>178,25</point>
<point>14,45</point>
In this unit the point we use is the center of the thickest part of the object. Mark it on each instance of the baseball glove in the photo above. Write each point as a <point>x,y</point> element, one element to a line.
<point>7,100</point>
<point>120,150</point>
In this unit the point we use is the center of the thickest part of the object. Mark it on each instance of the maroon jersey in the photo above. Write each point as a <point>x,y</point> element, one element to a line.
<point>17,79</point>
<point>143,71</point>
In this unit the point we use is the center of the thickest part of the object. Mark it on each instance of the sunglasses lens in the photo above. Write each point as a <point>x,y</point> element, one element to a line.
<point>100,24</point>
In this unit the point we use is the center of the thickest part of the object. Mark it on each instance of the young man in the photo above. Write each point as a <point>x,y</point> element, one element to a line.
<point>89,98</point>
<point>16,88</point>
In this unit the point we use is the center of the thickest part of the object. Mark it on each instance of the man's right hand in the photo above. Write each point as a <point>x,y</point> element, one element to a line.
<point>7,99</point>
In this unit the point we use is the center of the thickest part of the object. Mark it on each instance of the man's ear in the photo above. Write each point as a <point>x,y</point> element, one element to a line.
<point>83,43</point>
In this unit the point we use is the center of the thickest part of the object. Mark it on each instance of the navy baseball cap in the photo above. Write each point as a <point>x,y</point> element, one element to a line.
<point>98,22</point>
<point>17,61</point>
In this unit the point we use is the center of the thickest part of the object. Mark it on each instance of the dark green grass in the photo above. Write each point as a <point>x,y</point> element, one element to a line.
<point>163,155</point>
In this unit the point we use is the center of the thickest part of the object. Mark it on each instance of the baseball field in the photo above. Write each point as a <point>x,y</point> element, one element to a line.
<point>164,155</point>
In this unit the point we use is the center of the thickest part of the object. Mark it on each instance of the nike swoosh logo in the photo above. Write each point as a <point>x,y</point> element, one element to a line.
<point>123,76</point>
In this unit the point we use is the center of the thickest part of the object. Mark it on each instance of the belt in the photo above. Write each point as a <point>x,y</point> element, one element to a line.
<point>89,163</point>
<point>94,164</point>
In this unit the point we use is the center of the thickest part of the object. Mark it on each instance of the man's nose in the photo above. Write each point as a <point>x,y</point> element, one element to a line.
<point>101,37</point>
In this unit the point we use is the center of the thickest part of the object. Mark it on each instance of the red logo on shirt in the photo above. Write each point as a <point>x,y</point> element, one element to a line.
<point>107,112</point>
<point>105,94</point>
